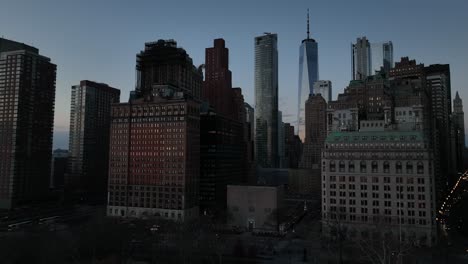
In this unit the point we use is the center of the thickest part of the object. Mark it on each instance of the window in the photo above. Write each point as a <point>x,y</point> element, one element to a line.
<point>342,166</point>
<point>409,167</point>
<point>332,166</point>
<point>363,166</point>
<point>375,166</point>
<point>398,167</point>
<point>420,168</point>
<point>386,167</point>
<point>351,166</point>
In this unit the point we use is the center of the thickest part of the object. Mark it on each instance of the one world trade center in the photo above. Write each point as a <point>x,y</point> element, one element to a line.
<point>308,74</point>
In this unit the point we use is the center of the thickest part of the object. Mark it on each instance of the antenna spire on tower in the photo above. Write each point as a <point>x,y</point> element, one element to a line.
<point>308,32</point>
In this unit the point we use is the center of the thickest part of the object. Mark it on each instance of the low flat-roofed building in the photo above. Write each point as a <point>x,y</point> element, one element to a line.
<point>255,207</point>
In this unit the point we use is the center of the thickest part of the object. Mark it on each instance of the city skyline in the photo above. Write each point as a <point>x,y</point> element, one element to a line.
<point>112,45</point>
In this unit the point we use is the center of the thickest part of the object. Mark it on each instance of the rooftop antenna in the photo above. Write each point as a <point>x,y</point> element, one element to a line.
<point>308,32</point>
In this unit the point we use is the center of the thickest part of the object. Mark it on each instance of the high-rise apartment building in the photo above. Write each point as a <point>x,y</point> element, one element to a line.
<point>360,59</point>
<point>324,88</point>
<point>459,127</point>
<point>266,100</point>
<point>27,97</point>
<point>308,75</point>
<point>381,56</point>
<point>154,163</point>
<point>90,118</point>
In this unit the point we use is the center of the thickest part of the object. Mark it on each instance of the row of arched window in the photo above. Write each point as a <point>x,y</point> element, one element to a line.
<point>374,167</point>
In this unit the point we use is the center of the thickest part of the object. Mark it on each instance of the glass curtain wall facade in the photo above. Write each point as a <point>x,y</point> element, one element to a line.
<point>266,100</point>
<point>308,75</point>
<point>381,56</point>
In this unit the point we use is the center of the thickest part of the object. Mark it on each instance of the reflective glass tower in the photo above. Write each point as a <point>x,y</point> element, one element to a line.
<point>308,74</point>
<point>266,100</point>
<point>381,56</point>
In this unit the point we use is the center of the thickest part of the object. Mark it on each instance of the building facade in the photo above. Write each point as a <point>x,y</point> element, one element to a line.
<point>324,88</point>
<point>316,132</point>
<point>222,159</point>
<point>218,78</point>
<point>161,63</point>
<point>360,59</point>
<point>439,87</point>
<point>459,126</point>
<point>255,207</point>
<point>381,56</point>
<point>154,163</point>
<point>90,117</point>
<point>308,75</point>
<point>266,100</point>
<point>27,92</point>
<point>155,157</point>
<point>59,168</point>
<point>379,183</point>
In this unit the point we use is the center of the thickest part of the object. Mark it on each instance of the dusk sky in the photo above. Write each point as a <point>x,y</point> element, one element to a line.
<point>98,40</point>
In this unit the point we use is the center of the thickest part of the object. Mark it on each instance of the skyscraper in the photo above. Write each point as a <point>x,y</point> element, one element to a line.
<point>308,75</point>
<point>218,81</point>
<point>439,86</point>
<point>324,88</point>
<point>381,56</point>
<point>90,117</point>
<point>155,139</point>
<point>27,89</point>
<point>266,100</point>
<point>459,127</point>
<point>360,59</point>
<point>316,131</point>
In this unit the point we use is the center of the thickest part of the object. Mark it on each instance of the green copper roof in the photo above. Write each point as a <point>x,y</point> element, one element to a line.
<point>375,136</point>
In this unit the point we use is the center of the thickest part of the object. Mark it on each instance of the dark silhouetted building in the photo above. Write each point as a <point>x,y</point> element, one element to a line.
<point>27,89</point>
<point>223,132</point>
<point>222,159</point>
<point>163,63</point>
<point>316,132</point>
<point>90,117</point>
<point>439,88</point>
<point>218,79</point>
<point>293,146</point>
<point>459,126</point>
<point>59,168</point>
<point>266,100</point>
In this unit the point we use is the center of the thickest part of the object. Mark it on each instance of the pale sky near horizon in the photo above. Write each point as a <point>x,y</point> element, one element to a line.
<point>98,40</point>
